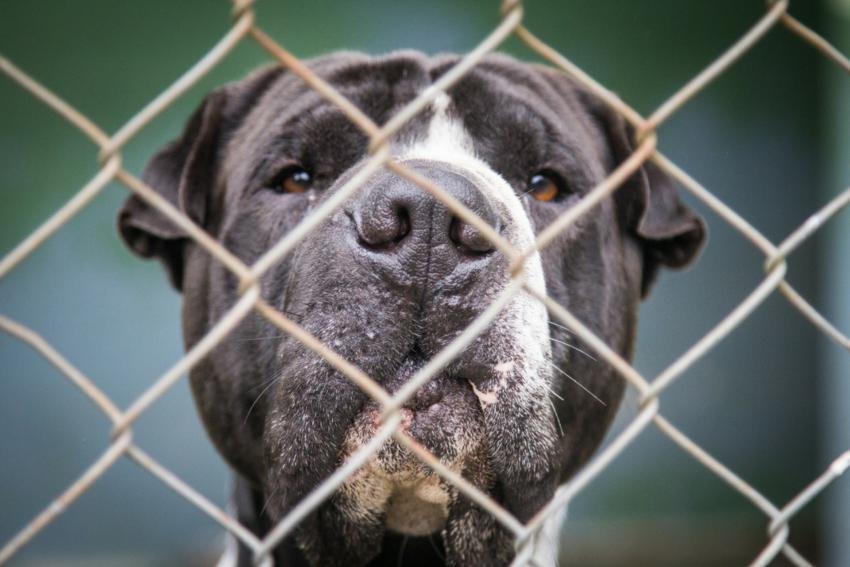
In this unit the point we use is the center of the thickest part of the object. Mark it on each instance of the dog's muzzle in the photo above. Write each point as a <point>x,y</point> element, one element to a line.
<point>419,249</point>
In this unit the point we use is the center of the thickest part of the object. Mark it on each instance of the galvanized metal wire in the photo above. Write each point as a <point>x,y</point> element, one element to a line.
<point>245,28</point>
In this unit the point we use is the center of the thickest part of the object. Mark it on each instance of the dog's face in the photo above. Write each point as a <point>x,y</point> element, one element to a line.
<point>393,276</point>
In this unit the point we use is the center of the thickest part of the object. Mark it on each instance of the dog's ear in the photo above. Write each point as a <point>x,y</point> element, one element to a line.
<point>184,173</point>
<point>669,232</point>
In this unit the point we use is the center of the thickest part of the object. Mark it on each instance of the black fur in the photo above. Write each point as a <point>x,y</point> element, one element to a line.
<point>280,415</point>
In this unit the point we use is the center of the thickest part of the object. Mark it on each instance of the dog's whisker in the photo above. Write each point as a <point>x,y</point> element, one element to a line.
<point>436,548</point>
<point>403,547</point>
<point>554,324</point>
<point>557,419</point>
<point>579,384</point>
<point>263,384</point>
<point>268,501</point>
<point>554,393</point>
<point>257,399</point>
<point>574,347</point>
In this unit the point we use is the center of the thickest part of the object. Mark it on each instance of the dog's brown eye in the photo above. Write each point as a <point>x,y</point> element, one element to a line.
<point>294,180</point>
<point>545,186</point>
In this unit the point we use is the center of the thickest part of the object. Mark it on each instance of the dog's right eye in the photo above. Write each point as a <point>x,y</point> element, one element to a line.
<point>293,180</point>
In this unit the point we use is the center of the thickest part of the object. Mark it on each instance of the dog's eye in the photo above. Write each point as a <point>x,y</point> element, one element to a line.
<point>546,186</point>
<point>293,180</point>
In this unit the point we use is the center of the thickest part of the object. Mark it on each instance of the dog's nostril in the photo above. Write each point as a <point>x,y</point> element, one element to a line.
<point>403,224</point>
<point>469,239</point>
<point>383,230</point>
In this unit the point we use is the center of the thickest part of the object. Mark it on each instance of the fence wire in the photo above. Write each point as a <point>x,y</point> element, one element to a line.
<point>245,28</point>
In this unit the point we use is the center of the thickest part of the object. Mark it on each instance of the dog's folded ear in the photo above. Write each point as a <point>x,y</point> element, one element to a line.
<point>669,232</point>
<point>180,173</point>
<point>184,173</point>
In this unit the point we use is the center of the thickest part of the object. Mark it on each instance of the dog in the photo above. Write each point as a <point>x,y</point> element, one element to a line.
<point>391,278</point>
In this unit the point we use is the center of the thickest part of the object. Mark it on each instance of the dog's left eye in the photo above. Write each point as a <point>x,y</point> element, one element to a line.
<point>293,180</point>
<point>546,186</point>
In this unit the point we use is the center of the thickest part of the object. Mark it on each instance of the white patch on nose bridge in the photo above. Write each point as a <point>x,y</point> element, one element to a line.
<point>448,141</point>
<point>441,102</point>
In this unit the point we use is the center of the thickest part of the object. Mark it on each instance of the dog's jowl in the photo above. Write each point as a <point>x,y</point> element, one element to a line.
<point>391,278</point>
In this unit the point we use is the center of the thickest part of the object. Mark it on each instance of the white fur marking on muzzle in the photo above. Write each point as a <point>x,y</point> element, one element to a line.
<point>448,141</point>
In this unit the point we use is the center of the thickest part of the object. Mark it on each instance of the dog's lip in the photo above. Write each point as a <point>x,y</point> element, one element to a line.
<point>424,399</point>
<point>429,404</point>
<point>472,371</point>
<point>411,413</point>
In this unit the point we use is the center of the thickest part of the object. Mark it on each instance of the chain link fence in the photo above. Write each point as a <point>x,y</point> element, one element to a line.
<point>649,391</point>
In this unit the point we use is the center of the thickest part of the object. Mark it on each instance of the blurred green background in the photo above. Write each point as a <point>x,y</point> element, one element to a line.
<point>770,138</point>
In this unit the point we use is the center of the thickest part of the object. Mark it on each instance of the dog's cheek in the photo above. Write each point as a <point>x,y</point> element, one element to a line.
<point>518,413</point>
<point>329,538</point>
<point>341,532</point>
<point>224,383</point>
<point>522,439</point>
<point>472,535</point>
<point>310,412</point>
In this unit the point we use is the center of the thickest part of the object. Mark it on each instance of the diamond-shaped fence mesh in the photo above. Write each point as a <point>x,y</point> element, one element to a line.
<point>650,390</point>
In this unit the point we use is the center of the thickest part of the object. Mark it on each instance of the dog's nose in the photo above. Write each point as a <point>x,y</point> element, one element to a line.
<point>394,215</point>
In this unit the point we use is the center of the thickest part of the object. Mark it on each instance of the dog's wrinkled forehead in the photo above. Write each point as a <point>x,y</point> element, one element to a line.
<point>512,116</point>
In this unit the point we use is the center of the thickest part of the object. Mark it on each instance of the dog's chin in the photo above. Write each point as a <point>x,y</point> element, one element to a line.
<point>412,498</point>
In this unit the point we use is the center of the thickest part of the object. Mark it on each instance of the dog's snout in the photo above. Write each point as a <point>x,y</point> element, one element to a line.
<point>395,215</point>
